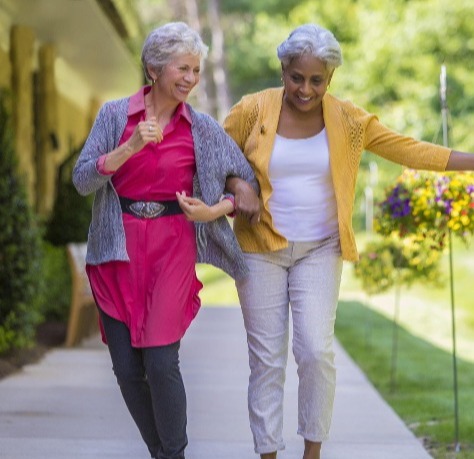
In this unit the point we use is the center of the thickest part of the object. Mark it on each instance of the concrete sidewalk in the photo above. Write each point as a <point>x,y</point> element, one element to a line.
<point>68,406</point>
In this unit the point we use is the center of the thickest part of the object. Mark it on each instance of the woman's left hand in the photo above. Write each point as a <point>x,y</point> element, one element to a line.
<point>194,209</point>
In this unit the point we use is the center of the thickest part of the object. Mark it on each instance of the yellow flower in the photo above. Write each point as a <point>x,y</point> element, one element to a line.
<point>465,220</point>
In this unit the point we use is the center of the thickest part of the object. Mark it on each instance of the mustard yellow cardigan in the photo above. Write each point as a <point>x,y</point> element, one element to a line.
<point>252,123</point>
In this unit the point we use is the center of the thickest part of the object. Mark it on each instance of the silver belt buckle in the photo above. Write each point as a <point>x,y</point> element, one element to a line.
<point>147,209</point>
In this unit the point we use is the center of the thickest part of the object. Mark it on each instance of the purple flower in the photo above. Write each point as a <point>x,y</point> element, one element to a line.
<point>449,206</point>
<point>397,203</point>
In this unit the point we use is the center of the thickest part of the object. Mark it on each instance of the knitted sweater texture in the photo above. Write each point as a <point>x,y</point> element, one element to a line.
<point>217,157</point>
<point>253,122</point>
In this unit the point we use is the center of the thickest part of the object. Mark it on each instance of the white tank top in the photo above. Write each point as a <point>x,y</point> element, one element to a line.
<point>303,204</point>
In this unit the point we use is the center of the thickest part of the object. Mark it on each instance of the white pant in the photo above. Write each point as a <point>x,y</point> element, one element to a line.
<point>307,276</point>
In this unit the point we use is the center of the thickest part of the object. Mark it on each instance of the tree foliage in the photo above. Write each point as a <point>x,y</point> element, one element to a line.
<point>393,52</point>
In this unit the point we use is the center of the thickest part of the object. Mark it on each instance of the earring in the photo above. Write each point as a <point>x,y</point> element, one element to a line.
<point>153,82</point>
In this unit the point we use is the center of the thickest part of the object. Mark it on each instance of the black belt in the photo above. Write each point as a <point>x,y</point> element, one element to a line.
<point>149,209</point>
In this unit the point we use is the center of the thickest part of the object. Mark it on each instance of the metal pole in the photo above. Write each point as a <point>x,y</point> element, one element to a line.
<point>444,104</point>
<point>373,174</point>
<point>369,209</point>
<point>457,446</point>
<point>444,113</point>
<point>393,368</point>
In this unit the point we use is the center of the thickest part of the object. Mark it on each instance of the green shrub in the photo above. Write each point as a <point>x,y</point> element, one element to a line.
<point>71,214</point>
<point>55,297</point>
<point>20,253</point>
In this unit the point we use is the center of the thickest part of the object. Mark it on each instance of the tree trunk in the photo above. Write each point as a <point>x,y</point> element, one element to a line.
<point>201,91</point>
<point>222,95</point>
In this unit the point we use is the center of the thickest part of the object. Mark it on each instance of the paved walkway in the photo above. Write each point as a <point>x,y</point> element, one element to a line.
<point>68,406</point>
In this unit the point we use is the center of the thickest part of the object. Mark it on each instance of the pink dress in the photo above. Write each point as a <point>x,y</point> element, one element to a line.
<point>156,293</point>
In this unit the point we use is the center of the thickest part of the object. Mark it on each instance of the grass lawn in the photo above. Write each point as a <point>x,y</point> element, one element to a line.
<point>420,389</point>
<point>219,289</point>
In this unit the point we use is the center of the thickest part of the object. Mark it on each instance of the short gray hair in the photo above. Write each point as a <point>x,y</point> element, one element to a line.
<point>311,39</point>
<point>168,41</point>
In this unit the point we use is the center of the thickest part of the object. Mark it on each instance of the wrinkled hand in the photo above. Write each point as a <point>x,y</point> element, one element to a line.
<point>194,209</point>
<point>144,133</point>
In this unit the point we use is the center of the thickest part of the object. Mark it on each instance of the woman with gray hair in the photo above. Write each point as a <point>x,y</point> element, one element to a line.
<point>305,147</point>
<point>145,156</point>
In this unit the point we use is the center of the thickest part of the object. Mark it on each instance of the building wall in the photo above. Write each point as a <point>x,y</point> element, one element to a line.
<point>48,125</point>
<point>55,79</point>
<point>54,99</point>
<point>46,133</point>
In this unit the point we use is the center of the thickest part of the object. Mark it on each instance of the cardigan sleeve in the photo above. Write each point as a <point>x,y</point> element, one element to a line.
<point>398,148</point>
<point>404,150</point>
<point>233,124</point>
<point>217,157</point>
<point>86,177</point>
<point>234,161</point>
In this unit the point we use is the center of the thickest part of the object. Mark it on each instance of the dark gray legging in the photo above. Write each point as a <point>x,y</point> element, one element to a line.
<point>152,387</point>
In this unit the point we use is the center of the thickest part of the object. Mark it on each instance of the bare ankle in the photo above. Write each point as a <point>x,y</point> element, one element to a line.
<point>268,455</point>
<point>312,450</point>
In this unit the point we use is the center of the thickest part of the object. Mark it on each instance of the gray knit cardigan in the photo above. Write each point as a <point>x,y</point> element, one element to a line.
<point>217,157</point>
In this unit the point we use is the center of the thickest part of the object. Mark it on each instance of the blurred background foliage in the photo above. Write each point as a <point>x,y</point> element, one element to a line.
<point>35,283</point>
<point>20,246</point>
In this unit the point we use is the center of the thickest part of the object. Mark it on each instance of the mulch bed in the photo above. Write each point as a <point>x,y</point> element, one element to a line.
<point>48,336</point>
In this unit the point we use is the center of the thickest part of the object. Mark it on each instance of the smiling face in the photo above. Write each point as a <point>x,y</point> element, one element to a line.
<point>178,77</point>
<point>306,80</point>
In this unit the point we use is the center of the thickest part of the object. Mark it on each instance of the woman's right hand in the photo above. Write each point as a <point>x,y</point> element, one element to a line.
<point>144,133</point>
<point>247,202</point>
